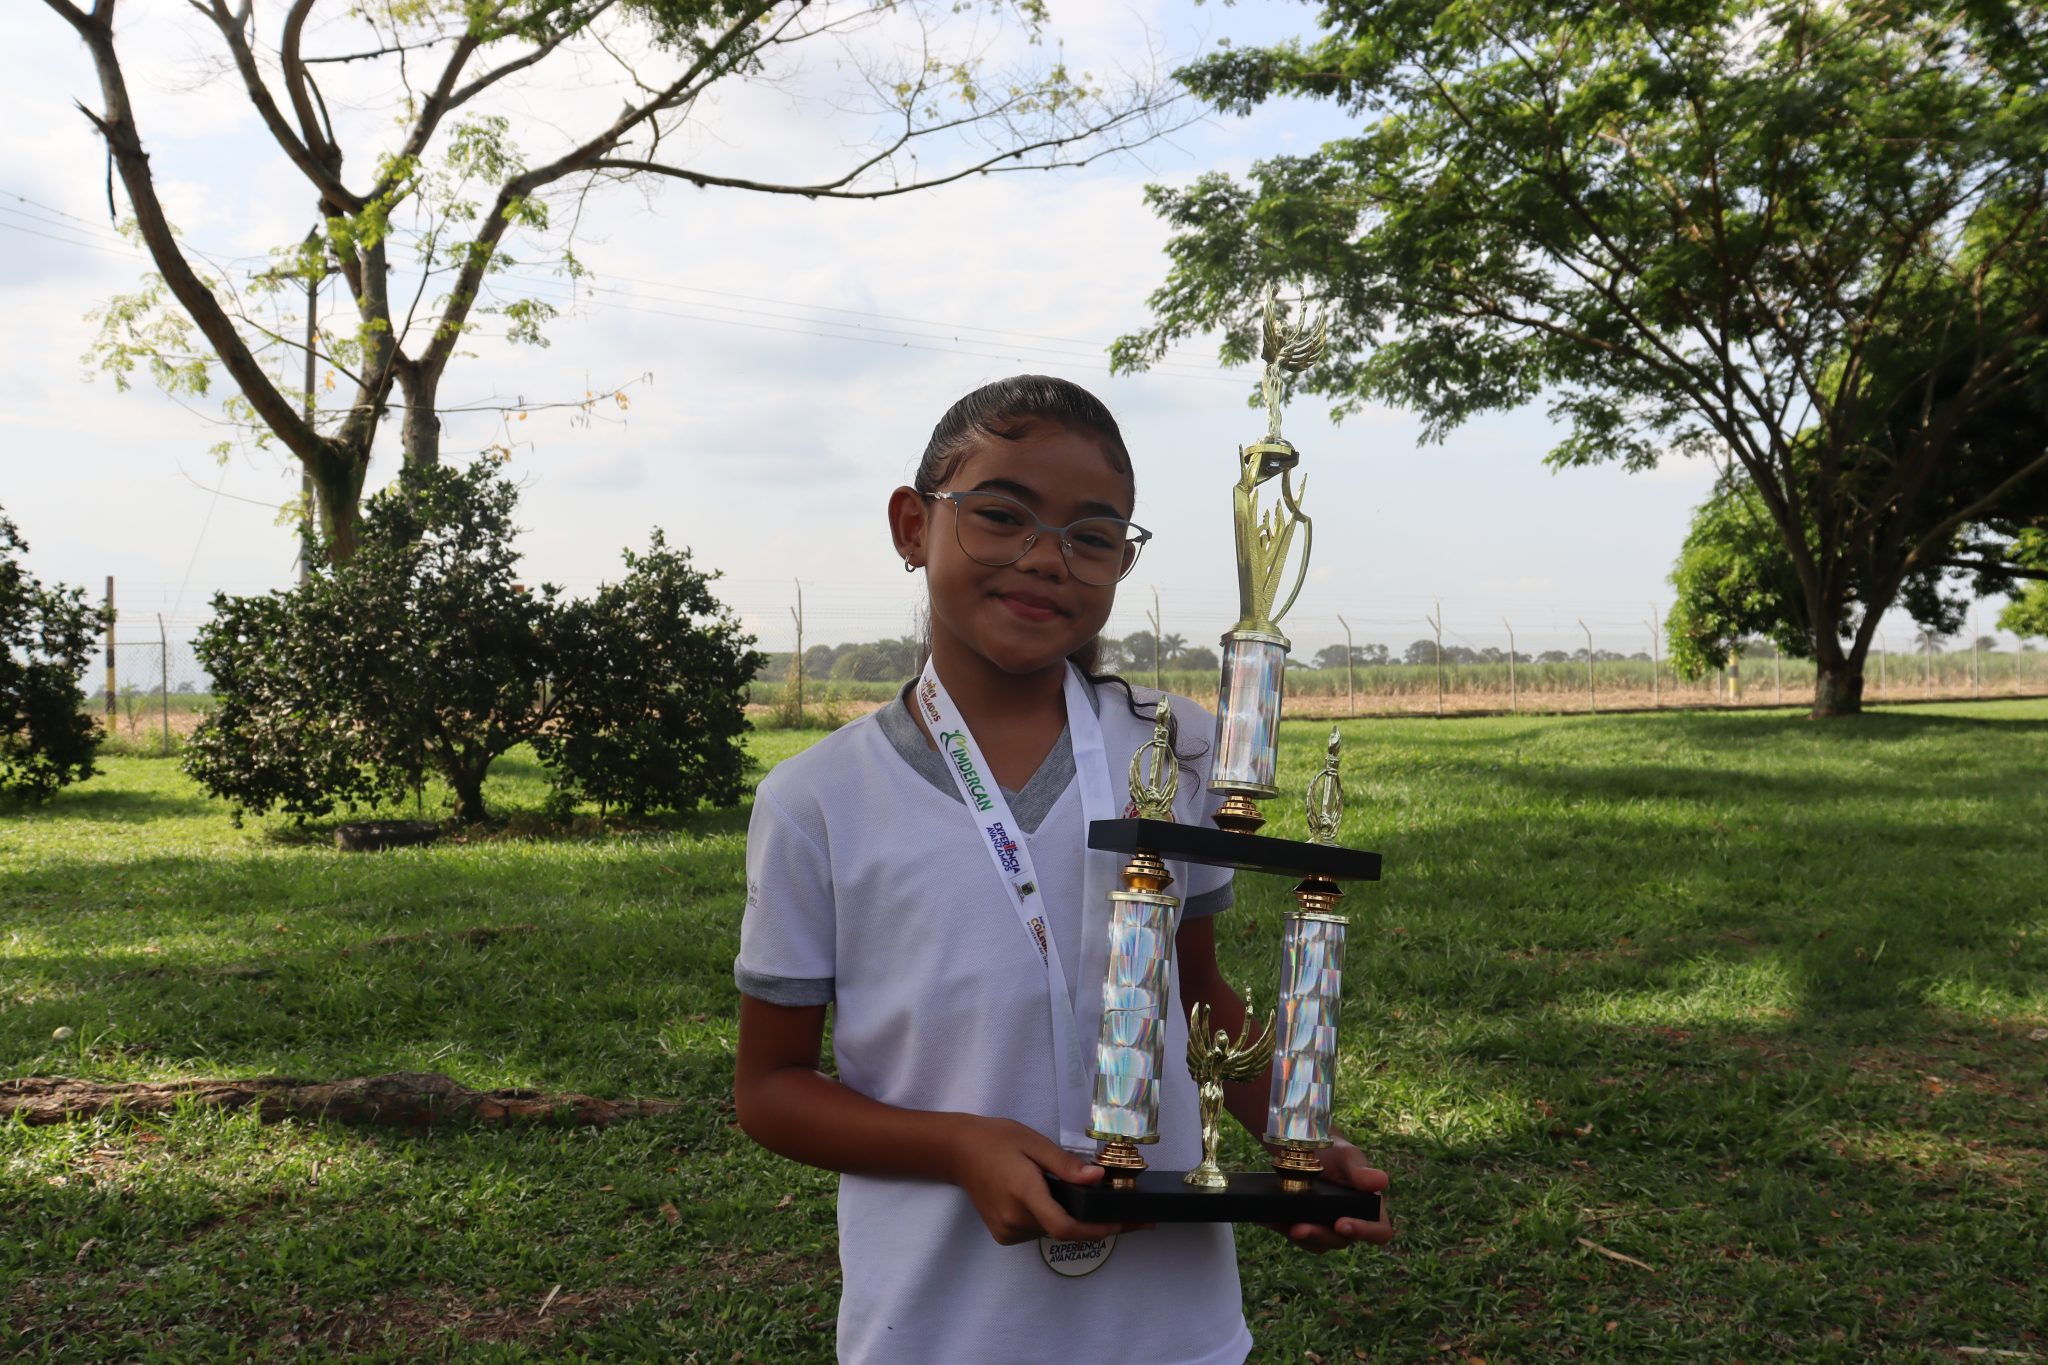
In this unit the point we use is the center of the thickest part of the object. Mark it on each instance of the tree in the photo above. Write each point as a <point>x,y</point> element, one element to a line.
<point>47,636</point>
<point>423,652</point>
<point>1806,241</point>
<point>423,216</point>
<point>2027,613</point>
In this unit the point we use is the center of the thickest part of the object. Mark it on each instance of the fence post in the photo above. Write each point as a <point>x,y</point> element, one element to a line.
<point>163,677</point>
<point>1511,664</point>
<point>1882,650</point>
<point>1927,657</point>
<point>1778,672</point>
<point>1976,657</point>
<point>1437,623</point>
<point>796,663</point>
<point>1350,697</point>
<point>110,654</point>
<point>1592,697</point>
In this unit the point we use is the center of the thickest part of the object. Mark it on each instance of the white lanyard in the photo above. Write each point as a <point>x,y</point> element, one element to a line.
<point>1002,840</point>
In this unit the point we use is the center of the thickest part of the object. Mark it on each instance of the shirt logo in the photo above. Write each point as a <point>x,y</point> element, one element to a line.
<point>1005,847</point>
<point>954,742</point>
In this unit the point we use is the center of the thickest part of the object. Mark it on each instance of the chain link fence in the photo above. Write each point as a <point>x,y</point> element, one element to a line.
<point>148,694</point>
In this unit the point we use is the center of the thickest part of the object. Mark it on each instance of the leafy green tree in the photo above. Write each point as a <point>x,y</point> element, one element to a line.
<point>423,215</point>
<point>649,671</point>
<point>864,663</point>
<point>47,635</point>
<point>423,652</point>
<point>1804,240</point>
<point>2027,613</point>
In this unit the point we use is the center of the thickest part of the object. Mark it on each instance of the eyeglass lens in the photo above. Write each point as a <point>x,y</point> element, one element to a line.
<point>996,530</point>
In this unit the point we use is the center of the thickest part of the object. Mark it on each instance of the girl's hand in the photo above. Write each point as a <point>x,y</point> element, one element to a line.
<point>1003,1165</point>
<point>1343,1164</point>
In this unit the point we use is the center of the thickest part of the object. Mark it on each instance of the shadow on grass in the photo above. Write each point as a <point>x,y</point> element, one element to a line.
<point>112,804</point>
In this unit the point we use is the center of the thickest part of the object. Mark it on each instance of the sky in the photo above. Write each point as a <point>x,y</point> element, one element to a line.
<point>782,362</point>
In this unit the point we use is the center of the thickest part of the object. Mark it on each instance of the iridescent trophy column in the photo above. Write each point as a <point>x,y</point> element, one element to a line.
<point>1246,766</point>
<point>1130,1051</point>
<point>1304,1084</point>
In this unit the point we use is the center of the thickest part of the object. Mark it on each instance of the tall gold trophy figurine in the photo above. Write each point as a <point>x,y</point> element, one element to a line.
<point>1254,650</point>
<point>1297,1046</point>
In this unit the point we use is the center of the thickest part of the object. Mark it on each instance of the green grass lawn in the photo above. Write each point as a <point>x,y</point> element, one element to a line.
<point>1759,1003</point>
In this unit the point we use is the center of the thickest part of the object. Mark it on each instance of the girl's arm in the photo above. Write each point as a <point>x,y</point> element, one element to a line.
<point>792,1108</point>
<point>1201,982</point>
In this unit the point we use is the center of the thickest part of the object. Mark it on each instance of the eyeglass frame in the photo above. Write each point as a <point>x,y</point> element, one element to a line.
<point>1065,542</point>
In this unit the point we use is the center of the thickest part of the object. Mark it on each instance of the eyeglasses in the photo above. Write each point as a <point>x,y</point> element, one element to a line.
<point>996,530</point>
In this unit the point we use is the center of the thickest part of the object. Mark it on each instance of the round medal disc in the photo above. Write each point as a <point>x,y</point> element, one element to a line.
<point>1074,1259</point>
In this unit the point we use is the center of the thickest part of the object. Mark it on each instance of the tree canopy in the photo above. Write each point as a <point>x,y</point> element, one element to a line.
<point>428,177</point>
<point>1806,242</point>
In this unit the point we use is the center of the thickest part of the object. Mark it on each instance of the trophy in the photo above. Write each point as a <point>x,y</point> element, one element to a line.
<point>1297,1045</point>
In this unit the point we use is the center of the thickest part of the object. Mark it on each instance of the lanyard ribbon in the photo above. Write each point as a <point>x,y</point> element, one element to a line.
<point>1003,841</point>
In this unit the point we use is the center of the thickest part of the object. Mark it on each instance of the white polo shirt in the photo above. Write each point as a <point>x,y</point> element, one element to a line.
<point>868,888</point>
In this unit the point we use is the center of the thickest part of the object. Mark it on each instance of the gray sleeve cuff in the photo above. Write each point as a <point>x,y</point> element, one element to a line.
<point>1209,902</point>
<point>783,990</point>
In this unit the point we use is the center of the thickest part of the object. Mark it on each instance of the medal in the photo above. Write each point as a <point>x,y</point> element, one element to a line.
<point>1075,1259</point>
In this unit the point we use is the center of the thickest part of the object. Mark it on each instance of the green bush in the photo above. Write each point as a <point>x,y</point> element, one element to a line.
<point>46,644</point>
<point>422,652</point>
<point>651,670</point>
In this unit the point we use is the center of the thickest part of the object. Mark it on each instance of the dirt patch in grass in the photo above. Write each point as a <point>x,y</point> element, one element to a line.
<point>417,1319</point>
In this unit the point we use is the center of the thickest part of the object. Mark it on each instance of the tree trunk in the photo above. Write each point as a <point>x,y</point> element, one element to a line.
<point>1838,686</point>
<point>420,433</point>
<point>338,485</point>
<point>469,794</point>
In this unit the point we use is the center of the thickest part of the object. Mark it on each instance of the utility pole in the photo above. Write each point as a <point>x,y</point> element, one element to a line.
<point>1350,696</point>
<point>163,676</point>
<point>1511,664</point>
<point>110,654</point>
<point>307,490</point>
<point>1154,619</point>
<point>1976,657</point>
<point>1438,623</point>
<point>796,663</point>
<point>1778,671</point>
<point>1655,699</point>
<point>1592,697</point>
<point>1882,650</point>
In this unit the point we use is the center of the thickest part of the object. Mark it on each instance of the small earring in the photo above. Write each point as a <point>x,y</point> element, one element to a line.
<point>908,567</point>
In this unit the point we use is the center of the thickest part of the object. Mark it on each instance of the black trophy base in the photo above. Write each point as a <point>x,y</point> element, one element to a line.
<point>1249,1197</point>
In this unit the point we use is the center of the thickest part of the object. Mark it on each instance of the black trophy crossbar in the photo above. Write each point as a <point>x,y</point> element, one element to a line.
<point>1221,848</point>
<point>1249,1197</point>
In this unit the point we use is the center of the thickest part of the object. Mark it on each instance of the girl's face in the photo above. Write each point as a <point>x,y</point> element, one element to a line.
<point>1027,616</point>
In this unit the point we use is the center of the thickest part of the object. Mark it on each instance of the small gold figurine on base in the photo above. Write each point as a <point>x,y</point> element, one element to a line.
<point>1212,1060</point>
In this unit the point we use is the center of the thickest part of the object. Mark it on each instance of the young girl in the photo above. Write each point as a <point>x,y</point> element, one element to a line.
<point>938,909</point>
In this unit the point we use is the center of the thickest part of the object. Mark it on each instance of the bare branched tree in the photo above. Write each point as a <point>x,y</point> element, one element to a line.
<point>420,214</point>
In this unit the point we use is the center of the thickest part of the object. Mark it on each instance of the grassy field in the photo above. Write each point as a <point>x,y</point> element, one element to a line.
<point>1691,1037</point>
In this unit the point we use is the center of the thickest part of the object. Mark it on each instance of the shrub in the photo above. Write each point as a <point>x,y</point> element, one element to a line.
<point>46,644</point>
<point>421,652</point>
<point>650,672</point>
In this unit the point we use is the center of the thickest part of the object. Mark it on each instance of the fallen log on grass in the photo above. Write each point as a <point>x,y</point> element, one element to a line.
<point>401,1099</point>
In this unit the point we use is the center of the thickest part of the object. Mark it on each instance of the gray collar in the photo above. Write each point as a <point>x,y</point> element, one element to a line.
<point>1030,806</point>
